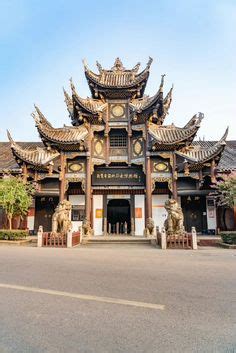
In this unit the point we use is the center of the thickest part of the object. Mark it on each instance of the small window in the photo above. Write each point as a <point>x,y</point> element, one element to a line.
<point>78,213</point>
<point>118,141</point>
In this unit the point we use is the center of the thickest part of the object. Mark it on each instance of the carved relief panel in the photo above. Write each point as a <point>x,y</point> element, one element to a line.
<point>98,146</point>
<point>137,147</point>
<point>118,111</point>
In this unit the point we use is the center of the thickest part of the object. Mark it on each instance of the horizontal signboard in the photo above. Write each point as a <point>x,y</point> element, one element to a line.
<point>118,176</point>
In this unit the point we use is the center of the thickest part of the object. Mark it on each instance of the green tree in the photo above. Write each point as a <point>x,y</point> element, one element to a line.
<point>226,190</point>
<point>15,197</point>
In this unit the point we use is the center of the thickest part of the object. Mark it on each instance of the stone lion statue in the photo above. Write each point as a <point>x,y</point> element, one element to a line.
<point>61,222</point>
<point>174,224</point>
<point>149,230</point>
<point>87,230</point>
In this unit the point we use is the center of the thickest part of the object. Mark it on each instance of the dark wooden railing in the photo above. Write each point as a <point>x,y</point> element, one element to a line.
<point>75,238</point>
<point>55,240</point>
<point>183,241</point>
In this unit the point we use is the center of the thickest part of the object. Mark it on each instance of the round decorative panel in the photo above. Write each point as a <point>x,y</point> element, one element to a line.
<point>118,110</point>
<point>137,148</point>
<point>75,167</point>
<point>161,167</point>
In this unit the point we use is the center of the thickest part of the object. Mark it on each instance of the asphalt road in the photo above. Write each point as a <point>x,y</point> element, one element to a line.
<point>98,300</point>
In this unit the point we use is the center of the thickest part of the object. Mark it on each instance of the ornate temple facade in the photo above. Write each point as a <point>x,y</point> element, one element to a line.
<point>118,162</point>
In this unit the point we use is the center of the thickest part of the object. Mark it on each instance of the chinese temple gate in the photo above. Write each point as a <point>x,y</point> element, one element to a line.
<point>118,162</point>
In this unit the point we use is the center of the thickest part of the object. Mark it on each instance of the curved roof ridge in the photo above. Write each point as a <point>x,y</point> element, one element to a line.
<point>69,134</point>
<point>171,134</point>
<point>38,156</point>
<point>118,76</point>
<point>199,154</point>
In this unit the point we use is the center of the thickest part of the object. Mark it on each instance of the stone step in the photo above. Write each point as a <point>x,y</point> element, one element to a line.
<point>118,240</point>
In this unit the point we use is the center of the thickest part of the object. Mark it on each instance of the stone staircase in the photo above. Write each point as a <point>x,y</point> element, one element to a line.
<point>119,239</point>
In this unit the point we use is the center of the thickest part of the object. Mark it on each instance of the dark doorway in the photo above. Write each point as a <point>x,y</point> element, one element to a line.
<point>118,212</point>
<point>194,210</point>
<point>44,209</point>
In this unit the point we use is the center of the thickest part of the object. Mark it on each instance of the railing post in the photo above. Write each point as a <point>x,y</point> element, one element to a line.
<point>194,238</point>
<point>163,238</point>
<point>40,236</point>
<point>69,239</point>
<point>81,234</point>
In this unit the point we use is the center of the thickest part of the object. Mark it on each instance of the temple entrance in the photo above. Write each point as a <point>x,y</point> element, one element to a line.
<point>118,216</point>
<point>44,209</point>
<point>194,209</point>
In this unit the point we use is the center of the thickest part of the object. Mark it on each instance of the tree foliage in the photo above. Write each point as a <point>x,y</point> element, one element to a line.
<point>15,197</point>
<point>226,190</point>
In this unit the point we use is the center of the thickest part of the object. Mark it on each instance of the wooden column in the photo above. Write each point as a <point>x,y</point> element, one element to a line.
<point>25,173</point>
<point>62,177</point>
<point>213,177</point>
<point>88,189</point>
<point>148,188</point>
<point>174,177</point>
<point>129,135</point>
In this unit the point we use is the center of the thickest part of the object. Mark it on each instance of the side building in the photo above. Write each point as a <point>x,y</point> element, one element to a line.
<point>118,163</point>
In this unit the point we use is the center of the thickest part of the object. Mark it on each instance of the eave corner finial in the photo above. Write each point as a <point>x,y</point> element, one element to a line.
<point>150,60</point>
<point>72,85</point>
<point>86,68</point>
<point>224,137</point>
<point>162,82</point>
<point>9,137</point>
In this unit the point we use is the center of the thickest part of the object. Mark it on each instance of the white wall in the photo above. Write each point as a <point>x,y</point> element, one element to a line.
<point>76,200</point>
<point>97,222</point>
<point>211,215</point>
<point>159,213</point>
<point>139,202</point>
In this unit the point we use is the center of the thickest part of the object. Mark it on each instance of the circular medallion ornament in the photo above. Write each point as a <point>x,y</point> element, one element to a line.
<point>161,167</point>
<point>118,110</point>
<point>76,167</point>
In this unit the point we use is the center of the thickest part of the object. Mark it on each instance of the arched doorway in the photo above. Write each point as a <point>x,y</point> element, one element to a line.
<point>118,216</point>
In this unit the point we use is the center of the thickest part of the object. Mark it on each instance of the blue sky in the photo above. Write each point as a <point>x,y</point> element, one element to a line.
<point>42,44</point>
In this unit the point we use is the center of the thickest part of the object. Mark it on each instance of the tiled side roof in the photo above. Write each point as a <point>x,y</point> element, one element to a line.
<point>65,135</point>
<point>200,153</point>
<point>7,159</point>
<point>228,158</point>
<point>170,135</point>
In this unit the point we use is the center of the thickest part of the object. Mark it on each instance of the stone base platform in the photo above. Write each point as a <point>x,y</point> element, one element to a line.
<point>120,239</point>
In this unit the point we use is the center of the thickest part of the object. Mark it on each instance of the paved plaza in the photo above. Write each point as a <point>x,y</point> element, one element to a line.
<point>117,298</point>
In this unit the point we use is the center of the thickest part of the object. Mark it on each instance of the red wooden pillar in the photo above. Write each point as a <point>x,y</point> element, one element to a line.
<point>62,177</point>
<point>174,178</point>
<point>88,189</point>
<point>148,188</point>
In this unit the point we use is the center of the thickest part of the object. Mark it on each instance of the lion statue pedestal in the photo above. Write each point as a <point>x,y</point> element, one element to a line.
<point>149,230</point>
<point>61,222</point>
<point>174,224</point>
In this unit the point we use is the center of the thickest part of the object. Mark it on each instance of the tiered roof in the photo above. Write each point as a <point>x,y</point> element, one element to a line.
<point>145,112</point>
<point>117,78</point>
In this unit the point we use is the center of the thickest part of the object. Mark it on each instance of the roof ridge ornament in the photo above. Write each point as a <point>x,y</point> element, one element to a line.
<point>118,65</point>
<point>99,66</point>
